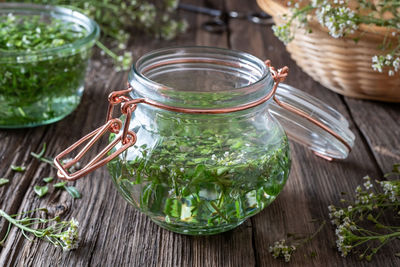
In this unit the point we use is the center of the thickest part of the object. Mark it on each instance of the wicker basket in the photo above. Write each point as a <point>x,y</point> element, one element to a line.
<point>340,64</point>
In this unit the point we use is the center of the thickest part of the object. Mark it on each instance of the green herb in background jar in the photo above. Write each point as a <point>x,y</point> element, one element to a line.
<point>44,56</point>
<point>117,17</point>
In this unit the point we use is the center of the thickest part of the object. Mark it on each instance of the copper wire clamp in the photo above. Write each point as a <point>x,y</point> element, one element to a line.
<point>128,138</point>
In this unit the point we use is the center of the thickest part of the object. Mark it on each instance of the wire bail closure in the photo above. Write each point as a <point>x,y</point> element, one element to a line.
<point>128,138</point>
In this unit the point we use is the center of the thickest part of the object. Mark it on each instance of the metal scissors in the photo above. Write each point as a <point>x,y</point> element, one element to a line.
<point>220,19</point>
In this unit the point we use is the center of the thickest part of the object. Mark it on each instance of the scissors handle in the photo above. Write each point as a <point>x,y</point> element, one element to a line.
<point>200,9</point>
<point>220,18</point>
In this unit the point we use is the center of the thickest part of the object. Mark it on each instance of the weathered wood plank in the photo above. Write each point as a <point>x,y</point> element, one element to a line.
<point>380,125</point>
<point>313,183</point>
<point>115,234</point>
<point>112,232</point>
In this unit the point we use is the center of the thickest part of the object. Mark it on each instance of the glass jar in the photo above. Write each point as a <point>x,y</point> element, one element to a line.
<point>42,86</point>
<point>201,151</point>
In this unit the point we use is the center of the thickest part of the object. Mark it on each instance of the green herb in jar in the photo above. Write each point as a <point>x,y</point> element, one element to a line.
<point>38,87</point>
<point>197,181</point>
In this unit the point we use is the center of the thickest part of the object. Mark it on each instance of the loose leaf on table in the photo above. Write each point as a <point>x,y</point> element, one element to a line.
<point>3,181</point>
<point>18,168</point>
<point>60,185</point>
<point>73,191</point>
<point>41,190</point>
<point>48,179</point>
<point>40,156</point>
<point>41,153</point>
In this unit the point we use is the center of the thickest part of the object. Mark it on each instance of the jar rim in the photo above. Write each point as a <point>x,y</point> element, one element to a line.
<point>261,84</point>
<point>63,13</point>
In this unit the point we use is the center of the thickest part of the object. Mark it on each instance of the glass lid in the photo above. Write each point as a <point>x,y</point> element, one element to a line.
<point>308,133</point>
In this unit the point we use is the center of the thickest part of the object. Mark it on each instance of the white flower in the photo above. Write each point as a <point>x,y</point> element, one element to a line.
<point>350,208</point>
<point>70,237</point>
<point>368,185</point>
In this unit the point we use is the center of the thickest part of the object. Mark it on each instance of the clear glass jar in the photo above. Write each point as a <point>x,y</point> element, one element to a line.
<point>202,149</point>
<point>43,86</point>
<point>202,174</point>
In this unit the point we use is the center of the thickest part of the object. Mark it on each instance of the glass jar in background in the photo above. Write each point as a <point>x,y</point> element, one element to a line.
<point>203,148</point>
<point>42,86</point>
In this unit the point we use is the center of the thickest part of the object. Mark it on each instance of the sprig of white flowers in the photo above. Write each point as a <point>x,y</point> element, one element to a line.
<point>340,20</point>
<point>63,234</point>
<point>359,227</point>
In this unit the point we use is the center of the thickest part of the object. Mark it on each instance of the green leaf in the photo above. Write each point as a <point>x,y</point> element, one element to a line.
<point>59,185</point>
<point>73,192</point>
<point>41,153</point>
<point>48,179</point>
<point>3,181</point>
<point>222,170</point>
<point>18,168</point>
<point>41,190</point>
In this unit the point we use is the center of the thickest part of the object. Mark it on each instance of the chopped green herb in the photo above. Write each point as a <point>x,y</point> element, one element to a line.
<point>41,190</point>
<point>199,178</point>
<point>4,181</point>
<point>60,185</point>
<point>73,191</point>
<point>18,168</point>
<point>48,179</point>
<point>41,153</point>
<point>41,157</point>
<point>39,89</point>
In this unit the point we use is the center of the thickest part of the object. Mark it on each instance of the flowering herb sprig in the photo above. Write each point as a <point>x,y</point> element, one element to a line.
<point>360,225</point>
<point>341,20</point>
<point>282,249</point>
<point>63,234</point>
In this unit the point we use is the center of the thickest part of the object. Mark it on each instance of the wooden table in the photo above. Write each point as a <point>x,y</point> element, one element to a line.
<point>113,233</point>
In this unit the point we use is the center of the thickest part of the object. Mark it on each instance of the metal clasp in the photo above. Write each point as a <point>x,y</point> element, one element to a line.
<point>113,125</point>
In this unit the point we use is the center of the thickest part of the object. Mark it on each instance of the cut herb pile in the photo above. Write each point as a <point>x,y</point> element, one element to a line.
<point>36,90</point>
<point>197,179</point>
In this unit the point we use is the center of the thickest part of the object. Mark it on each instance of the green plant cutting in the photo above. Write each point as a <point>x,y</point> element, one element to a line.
<point>341,20</point>
<point>63,234</point>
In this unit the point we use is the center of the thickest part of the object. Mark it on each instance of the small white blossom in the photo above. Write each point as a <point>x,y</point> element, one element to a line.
<point>281,249</point>
<point>70,237</point>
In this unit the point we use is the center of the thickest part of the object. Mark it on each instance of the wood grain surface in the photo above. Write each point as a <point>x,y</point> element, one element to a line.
<point>113,233</point>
